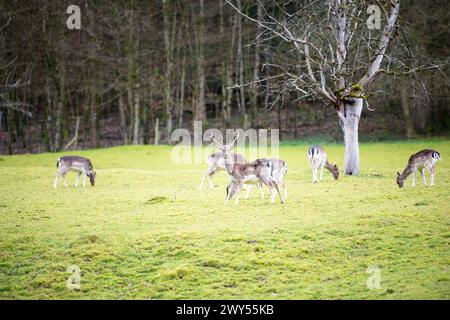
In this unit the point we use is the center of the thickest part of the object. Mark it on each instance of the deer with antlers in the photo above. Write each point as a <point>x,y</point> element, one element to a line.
<point>245,173</point>
<point>216,162</point>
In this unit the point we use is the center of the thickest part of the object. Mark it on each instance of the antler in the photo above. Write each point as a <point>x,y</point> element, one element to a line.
<point>237,136</point>
<point>221,146</point>
<point>217,142</point>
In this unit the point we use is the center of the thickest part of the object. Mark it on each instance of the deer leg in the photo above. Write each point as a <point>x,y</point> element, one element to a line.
<point>279,193</point>
<point>201,182</point>
<point>238,191</point>
<point>321,171</point>
<point>231,190</point>
<point>422,172</point>
<point>84,179</point>
<point>432,172</point>
<point>77,179</point>
<point>271,184</point>
<point>211,180</point>
<point>247,193</point>
<point>209,172</point>
<point>272,195</point>
<point>61,173</point>
<point>55,185</point>
<point>414,177</point>
<point>272,191</point>
<point>315,173</point>
<point>261,190</point>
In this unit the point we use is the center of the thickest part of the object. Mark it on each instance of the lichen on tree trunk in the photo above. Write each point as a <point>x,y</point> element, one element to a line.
<point>349,114</point>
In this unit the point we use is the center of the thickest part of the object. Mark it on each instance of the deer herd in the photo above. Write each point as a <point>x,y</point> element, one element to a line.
<point>261,172</point>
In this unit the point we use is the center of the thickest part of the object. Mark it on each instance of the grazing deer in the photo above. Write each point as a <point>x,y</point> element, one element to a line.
<point>277,170</point>
<point>216,162</point>
<point>78,164</point>
<point>425,159</point>
<point>240,173</point>
<point>318,158</point>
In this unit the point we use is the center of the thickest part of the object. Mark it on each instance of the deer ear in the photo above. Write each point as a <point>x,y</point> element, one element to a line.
<point>398,174</point>
<point>335,167</point>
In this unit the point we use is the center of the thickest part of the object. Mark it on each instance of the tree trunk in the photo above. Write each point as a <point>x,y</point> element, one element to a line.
<point>137,114</point>
<point>182,89</point>
<point>156,131</point>
<point>223,68</point>
<point>60,103</point>
<point>168,71</point>
<point>201,105</point>
<point>59,125</point>
<point>93,122</point>
<point>240,57</point>
<point>144,123</point>
<point>409,125</point>
<point>10,128</point>
<point>349,114</point>
<point>279,121</point>
<point>123,120</point>
<point>256,67</point>
<point>229,71</point>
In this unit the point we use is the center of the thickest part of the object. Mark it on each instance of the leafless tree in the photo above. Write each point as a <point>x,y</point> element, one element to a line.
<point>333,51</point>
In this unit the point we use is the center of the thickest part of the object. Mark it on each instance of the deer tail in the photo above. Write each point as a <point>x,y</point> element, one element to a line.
<point>271,167</point>
<point>285,166</point>
<point>58,162</point>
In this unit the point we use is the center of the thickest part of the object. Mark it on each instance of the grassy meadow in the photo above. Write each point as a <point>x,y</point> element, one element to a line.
<point>145,231</point>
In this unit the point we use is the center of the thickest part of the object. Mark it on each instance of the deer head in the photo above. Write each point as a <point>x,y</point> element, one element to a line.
<point>92,176</point>
<point>400,181</point>
<point>335,172</point>
<point>226,148</point>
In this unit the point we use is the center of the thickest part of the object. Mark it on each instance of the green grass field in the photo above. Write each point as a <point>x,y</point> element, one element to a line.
<point>145,231</point>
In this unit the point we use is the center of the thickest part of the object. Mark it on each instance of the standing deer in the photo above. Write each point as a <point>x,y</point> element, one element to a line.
<point>425,159</point>
<point>240,173</point>
<point>318,158</point>
<point>82,166</point>
<point>216,162</point>
<point>277,170</point>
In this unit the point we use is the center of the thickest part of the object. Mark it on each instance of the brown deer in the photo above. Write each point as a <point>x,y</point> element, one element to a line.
<point>216,162</point>
<point>318,158</point>
<point>82,166</point>
<point>240,173</point>
<point>425,159</point>
<point>277,170</point>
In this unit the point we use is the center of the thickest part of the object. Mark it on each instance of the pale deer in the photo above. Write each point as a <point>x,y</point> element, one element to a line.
<point>240,173</point>
<point>82,166</point>
<point>216,162</point>
<point>425,159</point>
<point>277,170</point>
<point>318,158</point>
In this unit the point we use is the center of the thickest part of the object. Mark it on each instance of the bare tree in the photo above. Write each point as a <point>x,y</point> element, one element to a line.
<point>332,53</point>
<point>168,46</point>
<point>199,33</point>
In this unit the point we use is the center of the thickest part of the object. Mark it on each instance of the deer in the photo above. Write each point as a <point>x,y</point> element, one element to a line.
<point>277,170</point>
<point>83,166</point>
<point>424,159</point>
<point>245,173</point>
<point>318,158</point>
<point>216,163</point>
